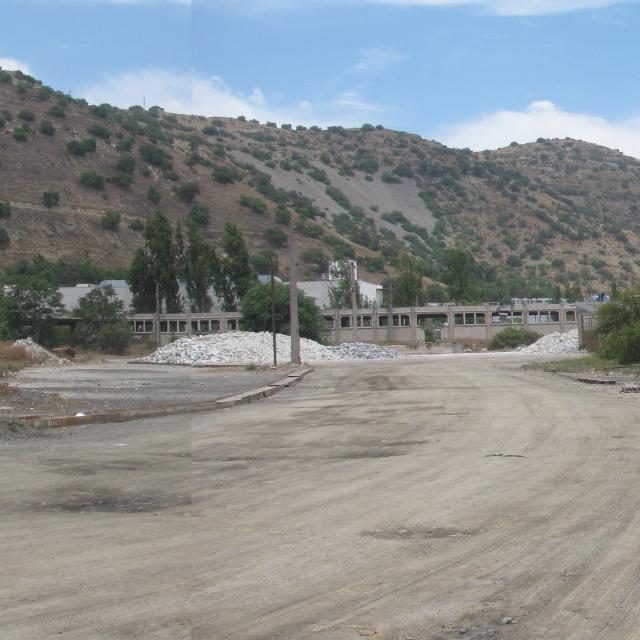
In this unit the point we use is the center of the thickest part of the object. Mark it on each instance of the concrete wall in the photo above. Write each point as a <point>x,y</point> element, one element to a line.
<point>404,325</point>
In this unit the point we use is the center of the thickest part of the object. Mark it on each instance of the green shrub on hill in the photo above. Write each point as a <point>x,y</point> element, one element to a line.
<point>57,111</point>
<point>153,195</point>
<point>4,238</point>
<point>225,174</point>
<point>47,128</point>
<point>81,147</point>
<point>136,225</point>
<point>26,115</point>
<point>188,191</point>
<point>99,131</point>
<point>199,214</point>
<point>512,337</point>
<point>5,210</point>
<point>110,221</point>
<point>126,164</point>
<point>92,180</point>
<point>50,199</point>
<point>275,236</point>
<point>20,134</point>
<point>258,206</point>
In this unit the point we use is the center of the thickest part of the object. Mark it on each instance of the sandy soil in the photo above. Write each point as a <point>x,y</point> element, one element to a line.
<point>428,499</point>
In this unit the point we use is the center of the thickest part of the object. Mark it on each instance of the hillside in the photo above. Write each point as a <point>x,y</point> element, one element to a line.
<point>551,212</point>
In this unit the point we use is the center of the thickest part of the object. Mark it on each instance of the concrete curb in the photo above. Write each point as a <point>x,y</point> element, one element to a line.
<point>125,415</point>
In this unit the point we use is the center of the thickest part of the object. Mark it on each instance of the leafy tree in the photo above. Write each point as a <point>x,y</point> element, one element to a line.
<point>407,283</point>
<point>155,155</point>
<point>234,276</point>
<point>157,263</point>
<point>99,309</point>
<point>264,261</point>
<point>31,304</point>
<point>256,312</point>
<point>188,191</point>
<point>197,269</point>
<point>340,291</point>
<point>458,274</point>
<point>282,216</point>
<point>5,209</point>
<point>50,199</point>
<point>4,238</point>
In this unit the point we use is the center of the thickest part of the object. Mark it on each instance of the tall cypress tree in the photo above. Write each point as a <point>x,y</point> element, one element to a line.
<point>236,276</point>
<point>197,269</point>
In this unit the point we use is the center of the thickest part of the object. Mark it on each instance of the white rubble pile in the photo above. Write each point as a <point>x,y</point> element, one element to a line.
<point>38,353</point>
<point>568,342</point>
<point>245,347</point>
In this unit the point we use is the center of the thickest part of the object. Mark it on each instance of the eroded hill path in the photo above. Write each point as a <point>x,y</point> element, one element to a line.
<point>434,498</point>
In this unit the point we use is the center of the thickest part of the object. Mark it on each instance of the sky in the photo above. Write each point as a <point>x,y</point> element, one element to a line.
<point>468,73</point>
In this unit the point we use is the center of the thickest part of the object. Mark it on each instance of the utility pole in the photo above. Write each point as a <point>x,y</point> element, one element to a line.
<point>354,299</point>
<point>273,313</point>
<point>157,316</point>
<point>390,312</point>
<point>293,296</point>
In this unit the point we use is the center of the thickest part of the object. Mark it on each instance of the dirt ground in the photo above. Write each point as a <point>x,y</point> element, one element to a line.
<point>117,384</point>
<point>424,499</point>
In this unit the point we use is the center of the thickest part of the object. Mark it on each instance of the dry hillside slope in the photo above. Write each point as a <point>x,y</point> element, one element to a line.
<point>555,211</point>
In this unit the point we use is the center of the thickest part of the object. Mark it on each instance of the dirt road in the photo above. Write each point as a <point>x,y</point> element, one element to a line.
<point>438,499</point>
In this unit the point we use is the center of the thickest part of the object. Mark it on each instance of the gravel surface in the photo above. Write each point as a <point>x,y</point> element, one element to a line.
<point>568,342</point>
<point>244,347</point>
<point>38,353</point>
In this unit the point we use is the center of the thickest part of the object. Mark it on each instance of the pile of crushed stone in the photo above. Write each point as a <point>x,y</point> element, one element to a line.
<point>245,347</point>
<point>39,354</point>
<point>568,342</point>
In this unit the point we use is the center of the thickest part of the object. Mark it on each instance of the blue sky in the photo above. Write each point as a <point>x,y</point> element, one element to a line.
<point>476,73</point>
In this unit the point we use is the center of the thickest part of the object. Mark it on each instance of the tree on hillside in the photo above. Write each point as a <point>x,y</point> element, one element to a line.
<point>234,276</point>
<point>340,290</point>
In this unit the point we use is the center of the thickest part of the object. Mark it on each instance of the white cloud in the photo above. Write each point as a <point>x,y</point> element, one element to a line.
<point>194,93</point>
<point>13,64</point>
<point>499,7</point>
<point>513,7</point>
<point>375,60</point>
<point>542,119</point>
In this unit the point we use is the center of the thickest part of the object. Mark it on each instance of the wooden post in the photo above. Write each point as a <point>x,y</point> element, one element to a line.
<point>273,315</point>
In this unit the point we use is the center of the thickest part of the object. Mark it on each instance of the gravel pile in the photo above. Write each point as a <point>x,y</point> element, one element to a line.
<point>555,343</point>
<point>38,353</point>
<point>362,351</point>
<point>244,347</point>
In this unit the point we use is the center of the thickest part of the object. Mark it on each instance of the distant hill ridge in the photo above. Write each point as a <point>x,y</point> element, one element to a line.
<point>547,213</point>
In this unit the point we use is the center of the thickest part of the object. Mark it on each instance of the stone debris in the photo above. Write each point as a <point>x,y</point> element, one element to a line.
<point>245,347</point>
<point>39,354</point>
<point>568,342</point>
<point>630,388</point>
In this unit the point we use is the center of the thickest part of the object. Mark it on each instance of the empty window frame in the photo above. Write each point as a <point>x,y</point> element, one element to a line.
<point>365,322</point>
<point>164,327</point>
<point>204,326</point>
<point>383,321</point>
<point>232,325</point>
<point>345,322</point>
<point>215,325</point>
<point>148,326</point>
<point>401,320</point>
<point>330,321</point>
<point>434,319</point>
<point>570,316</point>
